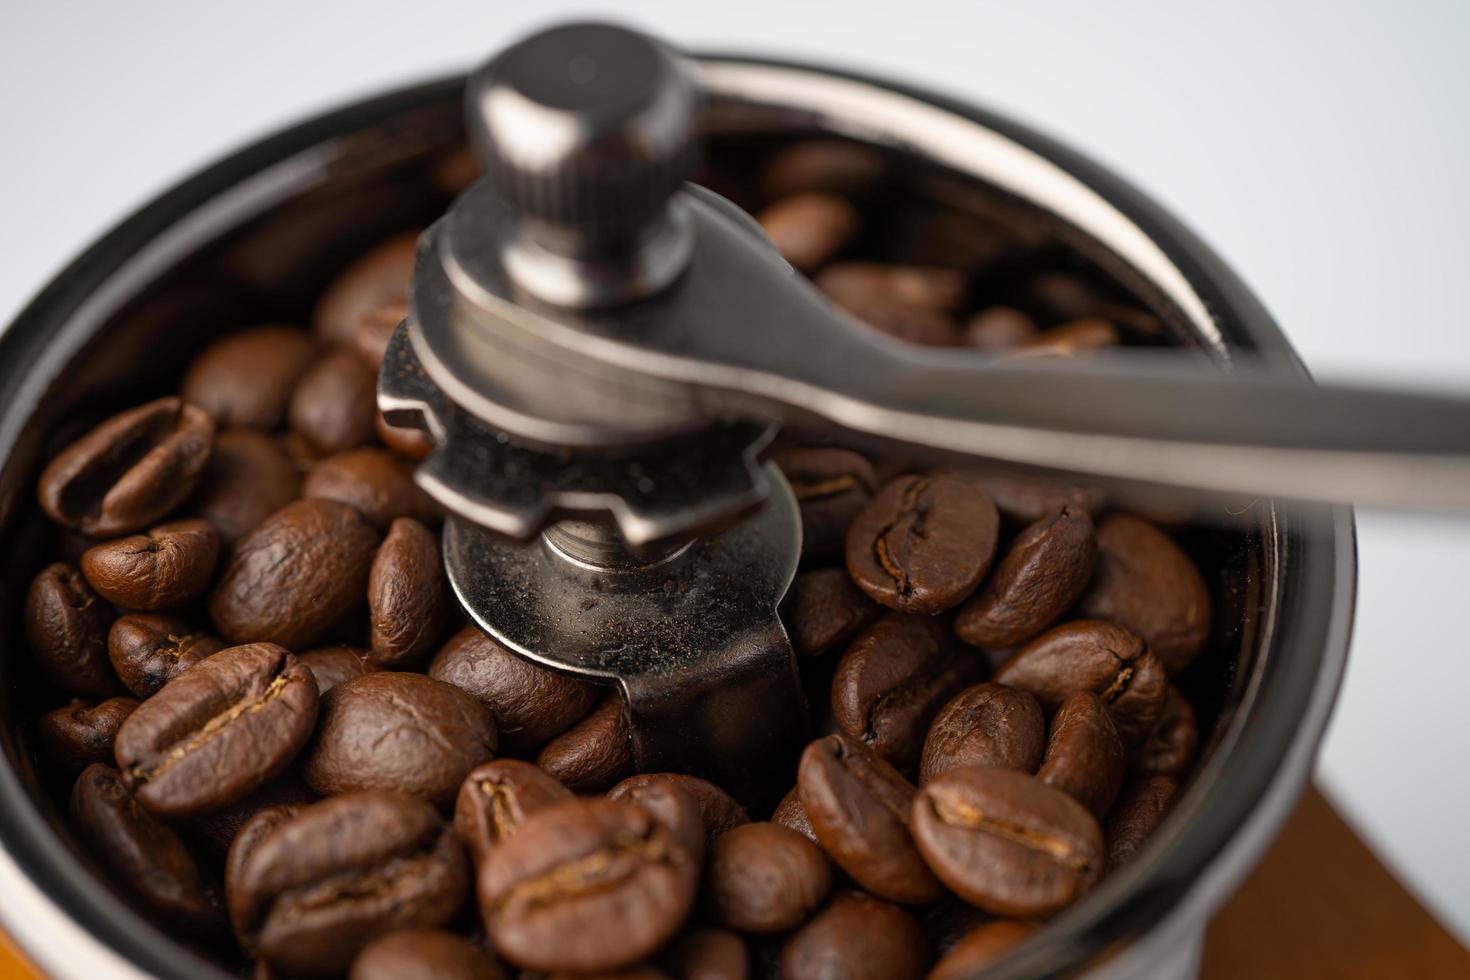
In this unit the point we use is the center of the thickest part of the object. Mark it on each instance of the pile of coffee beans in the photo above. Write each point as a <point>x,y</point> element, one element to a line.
<point>289,749</point>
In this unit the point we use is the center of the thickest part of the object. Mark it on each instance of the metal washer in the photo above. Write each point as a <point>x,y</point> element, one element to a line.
<point>695,643</point>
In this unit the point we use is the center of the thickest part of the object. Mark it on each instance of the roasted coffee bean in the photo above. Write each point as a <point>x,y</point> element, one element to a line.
<point>1147,583</point>
<point>496,798</point>
<point>1026,499</point>
<point>1042,573</point>
<point>855,284</point>
<point>1084,755</point>
<point>424,954</point>
<point>832,486</point>
<point>668,803</point>
<point>148,651</point>
<point>218,732</point>
<point>402,439</point>
<point>404,733</point>
<point>893,680</point>
<point>144,855</point>
<point>531,705</point>
<point>66,628</point>
<point>296,576</point>
<point>595,753</point>
<point>910,303</point>
<point>586,885</point>
<point>336,665</point>
<point>809,228</point>
<point>833,166</point>
<point>81,733</point>
<point>718,810</point>
<point>249,478</point>
<point>999,328</point>
<point>859,807</point>
<point>708,954</point>
<point>246,378</point>
<point>254,830</point>
<point>1007,842</point>
<point>856,937</point>
<point>1170,747</point>
<point>376,280</point>
<point>1091,655</point>
<point>376,482</point>
<point>1077,337</point>
<point>924,543</point>
<point>320,887</point>
<point>408,599</point>
<point>130,471</point>
<point>791,814</point>
<point>911,324</point>
<point>335,403</point>
<point>1141,807</point>
<point>639,971</point>
<point>166,567</point>
<point>827,611</point>
<point>981,949</point>
<point>375,330</point>
<point>762,878</point>
<point>988,725</point>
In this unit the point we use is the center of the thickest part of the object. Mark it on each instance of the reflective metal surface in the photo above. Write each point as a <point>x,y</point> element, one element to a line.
<point>693,641</point>
<point>695,483</point>
<point>586,130</point>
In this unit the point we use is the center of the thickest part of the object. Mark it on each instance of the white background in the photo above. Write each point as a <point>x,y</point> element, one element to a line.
<point>1324,149</point>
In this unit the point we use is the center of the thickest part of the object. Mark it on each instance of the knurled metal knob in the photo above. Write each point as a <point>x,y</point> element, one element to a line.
<point>585,130</point>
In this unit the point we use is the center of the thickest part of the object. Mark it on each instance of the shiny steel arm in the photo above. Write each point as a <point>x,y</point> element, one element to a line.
<point>742,335</point>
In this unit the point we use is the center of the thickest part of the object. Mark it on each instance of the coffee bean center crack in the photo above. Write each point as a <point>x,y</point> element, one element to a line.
<point>823,488</point>
<point>1118,687</point>
<point>180,646</point>
<point>910,512</point>
<point>955,813</point>
<point>900,695</point>
<point>500,817</point>
<point>213,727</point>
<point>88,492</point>
<point>357,886</point>
<point>602,870</point>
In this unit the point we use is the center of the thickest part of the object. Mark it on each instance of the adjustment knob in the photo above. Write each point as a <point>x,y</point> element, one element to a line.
<point>585,130</point>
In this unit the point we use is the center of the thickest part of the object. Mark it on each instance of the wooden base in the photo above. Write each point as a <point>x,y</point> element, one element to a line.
<point>12,965</point>
<point>1320,907</point>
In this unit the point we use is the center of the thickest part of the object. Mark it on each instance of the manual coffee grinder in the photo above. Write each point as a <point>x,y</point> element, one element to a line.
<point>600,352</point>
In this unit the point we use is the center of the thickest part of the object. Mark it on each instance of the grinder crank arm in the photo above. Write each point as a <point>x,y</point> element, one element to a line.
<point>741,335</point>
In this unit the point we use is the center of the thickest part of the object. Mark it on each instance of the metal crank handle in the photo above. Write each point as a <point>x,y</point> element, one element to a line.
<point>741,335</point>
<point>1168,419</point>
